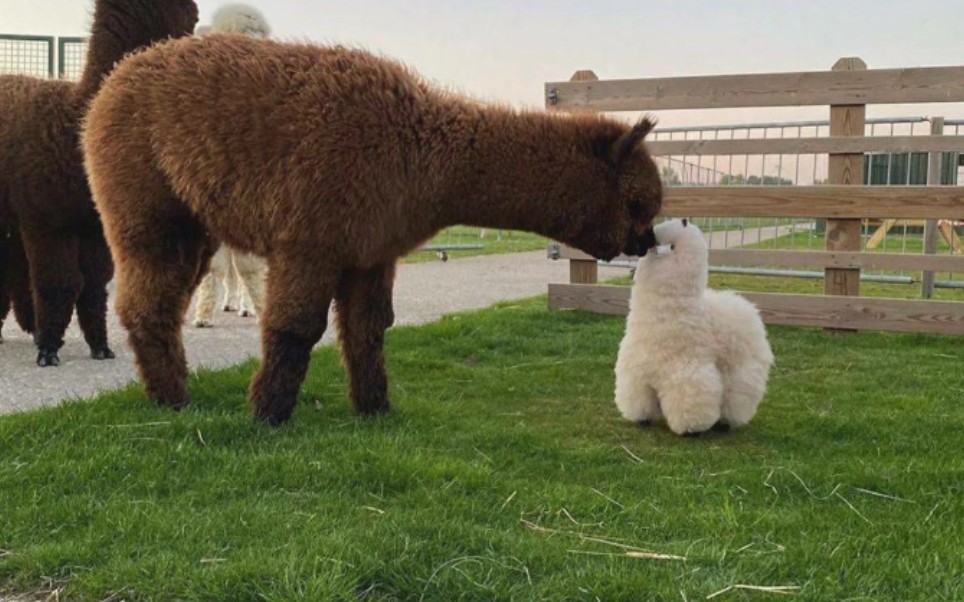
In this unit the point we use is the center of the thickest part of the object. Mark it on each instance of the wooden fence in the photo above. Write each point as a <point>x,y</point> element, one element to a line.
<point>845,202</point>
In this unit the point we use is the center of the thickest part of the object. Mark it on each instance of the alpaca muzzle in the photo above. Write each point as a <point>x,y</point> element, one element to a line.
<point>639,245</point>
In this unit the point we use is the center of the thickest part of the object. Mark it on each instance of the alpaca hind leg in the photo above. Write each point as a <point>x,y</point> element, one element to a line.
<point>207,290</point>
<point>744,388</point>
<point>232,299</point>
<point>98,269</point>
<point>158,269</point>
<point>250,272</point>
<point>691,400</point>
<point>300,291</point>
<point>4,296</point>
<point>635,397</point>
<point>57,280</point>
<point>364,301</point>
<point>18,284</point>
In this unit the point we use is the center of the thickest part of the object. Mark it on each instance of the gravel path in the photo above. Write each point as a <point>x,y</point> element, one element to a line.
<point>424,292</point>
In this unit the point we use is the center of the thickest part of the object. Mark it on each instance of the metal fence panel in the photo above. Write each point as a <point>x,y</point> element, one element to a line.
<point>71,57</point>
<point>27,55</point>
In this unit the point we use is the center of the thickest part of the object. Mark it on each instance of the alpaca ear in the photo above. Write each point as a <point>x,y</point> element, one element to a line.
<point>686,222</point>
<point>623,147</point>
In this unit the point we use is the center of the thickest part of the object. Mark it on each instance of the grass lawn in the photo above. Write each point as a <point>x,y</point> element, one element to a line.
<point>505,473</point>
<point>495,242</point>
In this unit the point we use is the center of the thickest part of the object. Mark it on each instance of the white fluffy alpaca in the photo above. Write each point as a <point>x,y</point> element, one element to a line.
<point>696,356</point>
<point>241,275</point>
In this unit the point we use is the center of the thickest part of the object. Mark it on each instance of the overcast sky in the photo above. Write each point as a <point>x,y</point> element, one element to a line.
<point>504,50</point>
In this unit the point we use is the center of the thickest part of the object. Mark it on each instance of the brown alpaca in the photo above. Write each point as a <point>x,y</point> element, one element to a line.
<point>331,163</point>
<point>44,197</point>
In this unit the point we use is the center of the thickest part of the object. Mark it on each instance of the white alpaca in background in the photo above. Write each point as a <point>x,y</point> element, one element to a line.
<point>242,275</point>
<point>697,356</point>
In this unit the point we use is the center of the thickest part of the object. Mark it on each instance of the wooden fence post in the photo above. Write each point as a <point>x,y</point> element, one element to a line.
<point>583,271</point>
<point>934,167</point>
<point>848,169</point>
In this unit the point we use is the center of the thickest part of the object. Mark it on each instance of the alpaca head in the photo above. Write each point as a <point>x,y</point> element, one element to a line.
<point>623,222</point>
<point>240,18</point>
<point>679,264</point>
<point>137,23</point>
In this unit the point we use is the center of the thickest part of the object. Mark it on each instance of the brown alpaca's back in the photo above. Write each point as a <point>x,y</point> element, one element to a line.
<point>260,138</point>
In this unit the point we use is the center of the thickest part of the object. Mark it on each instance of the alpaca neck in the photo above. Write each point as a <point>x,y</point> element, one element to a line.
<point>119,28</point>
<point>521,172</point>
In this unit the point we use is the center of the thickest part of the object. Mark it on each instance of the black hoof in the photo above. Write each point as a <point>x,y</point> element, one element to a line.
<point>693,435</point>
<point>227,309</point>
<point>104,353</point>
<point>720,427</point>
<point>47,357</point>
<point>644,424</point>
<point>245,313</point>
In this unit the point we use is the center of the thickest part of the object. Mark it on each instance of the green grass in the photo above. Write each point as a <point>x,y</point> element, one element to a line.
<point>495,242</point>
<point>849,484</point>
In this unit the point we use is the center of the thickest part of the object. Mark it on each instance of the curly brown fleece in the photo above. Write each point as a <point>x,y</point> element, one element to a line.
<point>331,163</point>
<point>46,211</point>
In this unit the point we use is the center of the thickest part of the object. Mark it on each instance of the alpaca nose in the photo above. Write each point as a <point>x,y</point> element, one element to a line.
<point>646,242</point>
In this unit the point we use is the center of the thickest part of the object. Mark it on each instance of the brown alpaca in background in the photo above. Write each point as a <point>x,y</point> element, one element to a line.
<point>43,188</point>
<point>331,163</point>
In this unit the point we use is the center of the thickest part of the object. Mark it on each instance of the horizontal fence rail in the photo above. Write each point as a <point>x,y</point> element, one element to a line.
<point>872,86</point>
<point>808,146</point>
<point>843,202</point>
<point>824,311</point>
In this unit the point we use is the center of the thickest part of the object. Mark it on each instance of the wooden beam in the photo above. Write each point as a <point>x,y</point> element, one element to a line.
<point>808,146</point>
<point>584,271</point>
<point>765,258</point>
<point>821,311</point>
<point>837,259</point>
<point>930,227</point>
<point>878,86</point>
<point>847,169</point>
<point>842,202</point>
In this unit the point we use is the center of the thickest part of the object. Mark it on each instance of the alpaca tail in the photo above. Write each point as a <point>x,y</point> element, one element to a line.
<point>240,18</point>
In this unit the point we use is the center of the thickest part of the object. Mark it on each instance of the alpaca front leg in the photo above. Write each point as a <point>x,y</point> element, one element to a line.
<point>636,398</point>
<point>364,313</point>
<point>98,269</point>
<point>295,318</point>
<point>692,398</point>
<point>57,280</point>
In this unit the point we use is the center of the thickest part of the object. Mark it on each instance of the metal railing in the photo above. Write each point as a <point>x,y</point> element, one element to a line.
<point>42,56</point>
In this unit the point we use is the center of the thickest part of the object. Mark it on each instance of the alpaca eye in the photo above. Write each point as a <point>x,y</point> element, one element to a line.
<point>685,222</point>
<point>672,247</point>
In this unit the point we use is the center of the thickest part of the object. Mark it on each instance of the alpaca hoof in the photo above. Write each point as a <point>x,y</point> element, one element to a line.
<point>104,353</point>
<point>643,424</point>
<point>228,309</point>
<point>245,313</point>
<point>47,358</point>
<point>375,409</point>
<point>202,324</point>
<point>693,434</point>
<point>274,420</point>
<point>720,427</point>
